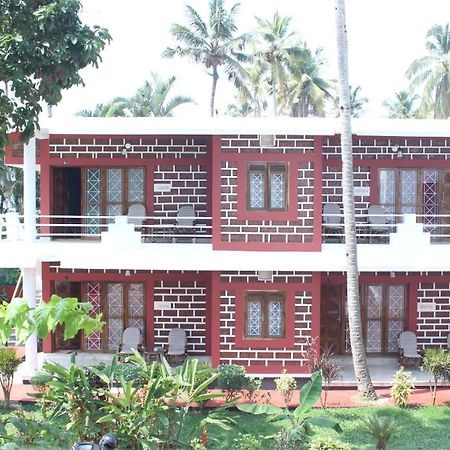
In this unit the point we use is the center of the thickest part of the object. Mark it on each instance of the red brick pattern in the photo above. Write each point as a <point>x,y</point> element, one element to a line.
<point>188,310</point>
<point>433,327</point>
<point>188,187</point>
<point>98,147</point>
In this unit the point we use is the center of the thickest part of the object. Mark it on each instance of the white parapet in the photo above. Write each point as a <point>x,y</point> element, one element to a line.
<point>14,229</point>
<point>121,234</point>
<point>410,234</point>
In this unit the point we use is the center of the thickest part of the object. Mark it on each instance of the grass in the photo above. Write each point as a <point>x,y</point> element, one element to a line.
<point>418,428</point>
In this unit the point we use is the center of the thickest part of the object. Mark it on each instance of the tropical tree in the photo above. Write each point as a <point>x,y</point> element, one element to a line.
<point>356,102</point>
<point>275,46</point>
<point>362,374</point>
<point>253,97</point>
<point>308,89</point>
<point>152,99</point>
<point>43,46</point>
<point>10,187</point>
<point>403,106</point>
<point>239,109</point>
<point>117,107</point>
<point>431,73</point>
<point>213,43</point>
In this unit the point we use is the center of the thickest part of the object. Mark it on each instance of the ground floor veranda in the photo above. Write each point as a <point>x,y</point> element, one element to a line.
<point>263,321</point>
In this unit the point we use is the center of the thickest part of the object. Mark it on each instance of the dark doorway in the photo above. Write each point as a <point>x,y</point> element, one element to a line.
<point>331,317</point>
<point>66,289</point>
<point>66,201</point>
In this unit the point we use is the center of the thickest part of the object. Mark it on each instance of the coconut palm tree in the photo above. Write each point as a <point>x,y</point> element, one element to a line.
<point>239,109</point>
<point>117,107</point>
<point>256,88</point>
<point>275,45</point>
<point>432,72</point>
<point>213,43</point>
<point>152,99</point>
<point>362,375</point>
<point>403,106</point>
<point>356,102</point>
<point>308,89</point>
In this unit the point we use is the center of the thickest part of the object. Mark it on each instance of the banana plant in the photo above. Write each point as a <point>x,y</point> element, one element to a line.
<point>300,421</point>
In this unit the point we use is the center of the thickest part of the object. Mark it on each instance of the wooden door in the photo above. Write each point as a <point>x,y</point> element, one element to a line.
<point>331,313</point>
<point>66,289</point>
<point>444,207</point>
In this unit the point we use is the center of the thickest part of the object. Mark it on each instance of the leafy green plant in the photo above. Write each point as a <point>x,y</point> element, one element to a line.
<point>324,443</point>
<point>437,362</point>
<point>300,421</point>
<point>131,372</point>
<point>286,386</point>
<point>9,361</point>
<point>253,386</point>
<point>247,442</point>
<point>382,429</point>
<point>232,380</point>
<point>39,381</point>
<point>402,387</point>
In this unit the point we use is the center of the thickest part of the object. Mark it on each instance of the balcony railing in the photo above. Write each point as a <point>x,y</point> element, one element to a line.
<point>152,229</point>
<point>380,227</point>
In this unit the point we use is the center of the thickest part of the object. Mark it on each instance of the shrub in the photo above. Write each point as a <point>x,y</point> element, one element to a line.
<point>247,442</point>
<point>286,385</point>
<point>232,379</point>
<point>39,381</point>
<point>323,443</point>
<point>402,386</point>
<point>204,372</point>
<point>9,361</point>
<point>130,372</point>
<point>253,386</point>
<point>437,362</point>
<point>382,429</point>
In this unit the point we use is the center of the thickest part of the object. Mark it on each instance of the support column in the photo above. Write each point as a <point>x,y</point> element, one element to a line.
<point>29,275</point>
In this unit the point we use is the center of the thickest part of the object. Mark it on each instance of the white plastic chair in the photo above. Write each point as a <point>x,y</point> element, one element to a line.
<point>377,220</point>
<point>131,341</point>
<point>407,346</point>
<point>136,215</point>
<point>185,220</point>
<point>332,220</point>
<point>177,344</point>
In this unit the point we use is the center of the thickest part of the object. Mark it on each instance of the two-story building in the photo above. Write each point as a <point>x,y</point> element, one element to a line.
<point>232,240</point>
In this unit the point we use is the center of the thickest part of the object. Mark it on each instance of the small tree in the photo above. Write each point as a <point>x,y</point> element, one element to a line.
<point>402,386</point>
<point>9,361</point>
<point>437,362</point>
<point>382,429</point>
<point>286,386</point>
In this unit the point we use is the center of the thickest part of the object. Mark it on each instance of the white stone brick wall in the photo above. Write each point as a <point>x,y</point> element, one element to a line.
<point>433,327</point>
<point>188,310</point>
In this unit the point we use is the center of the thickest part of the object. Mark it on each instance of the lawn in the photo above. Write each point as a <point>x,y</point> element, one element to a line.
<point>419,428</point>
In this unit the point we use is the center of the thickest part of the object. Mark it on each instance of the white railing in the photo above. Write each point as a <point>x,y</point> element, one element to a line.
<point>379,227</point>
<point>152,229</point>
<point>11,226</point>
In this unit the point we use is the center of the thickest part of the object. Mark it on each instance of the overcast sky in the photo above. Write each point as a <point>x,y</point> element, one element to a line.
<point>385,36</point>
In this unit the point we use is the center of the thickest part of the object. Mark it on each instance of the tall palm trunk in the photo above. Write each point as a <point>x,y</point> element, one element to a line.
<point>362,375</point>
<point>215,77</point>
<point>274,94</point>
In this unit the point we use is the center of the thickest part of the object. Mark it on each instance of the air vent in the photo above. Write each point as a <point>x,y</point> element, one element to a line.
<point>265,275</point>
<point>267,140</point>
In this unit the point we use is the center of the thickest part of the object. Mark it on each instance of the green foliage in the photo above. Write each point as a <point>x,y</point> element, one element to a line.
<point>286,385</point>
<point>131,372</point>
<point>39,380</point>
<point>9,361</point>
<point>43,46</point>
<point>45,317</point>
<point>323,443</point>
<point>382,429</point>
<point>232,380</point>
<point>437,362</point>
<point>9,277</point>
<point>402,387</point>
<point>247,442</point>
<point>300,420</point>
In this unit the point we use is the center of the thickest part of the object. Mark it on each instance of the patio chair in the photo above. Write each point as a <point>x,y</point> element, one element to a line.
<point>131,341</point>
<point>377,222</point>
<point>177,345</point>
<point>408,353</point>
<point>136,215</point>
<point>332,221</point>
<point>185,221</point>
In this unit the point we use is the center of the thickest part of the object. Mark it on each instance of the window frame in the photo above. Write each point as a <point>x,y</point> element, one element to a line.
<point>267,169</point>
<point>265,301</point>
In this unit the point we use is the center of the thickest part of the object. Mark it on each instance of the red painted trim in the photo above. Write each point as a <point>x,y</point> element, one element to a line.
<point>276,369</point>
<point>48,343</point>
<point>318,190</point>
<point>366,278</point>
<point>215,193</point>
<point>396,163</point>
<point>269,246</point>
<point>122,161</point>
<point>413,288</point>
<point>208,315</point>
<point>315,290</point>
<point>150,314</point>
<point>215,318</point>
<point>209,175</point>
<point>150,189</point>
<point>374,185</point>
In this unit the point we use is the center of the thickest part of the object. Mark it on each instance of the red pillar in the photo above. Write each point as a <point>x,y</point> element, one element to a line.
<point>48,343</point>
<point>215,318</point>
<point>150,314</point>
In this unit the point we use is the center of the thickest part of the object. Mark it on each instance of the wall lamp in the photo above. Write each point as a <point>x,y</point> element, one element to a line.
<point>397,150</point>
<point>126,148</point>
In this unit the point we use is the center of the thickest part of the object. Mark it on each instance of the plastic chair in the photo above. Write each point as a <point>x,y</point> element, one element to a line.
<point>377,220</point>
<point>332,220</point>
<point>407,346</point>
<point>136,215</point>
<point>185,221</point>
<point>177,344</point>
<point>131,341</point>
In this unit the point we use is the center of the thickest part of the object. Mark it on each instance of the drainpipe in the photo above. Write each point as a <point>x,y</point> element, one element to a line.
<point>29,274</point>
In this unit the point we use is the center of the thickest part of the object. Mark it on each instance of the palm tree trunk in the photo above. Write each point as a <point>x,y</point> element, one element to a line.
<point>362,375</point>
<point>215,77</point>
<point>274,94</point>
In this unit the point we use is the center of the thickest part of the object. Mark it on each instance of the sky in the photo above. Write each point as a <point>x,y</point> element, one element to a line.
<point>385,36</point>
